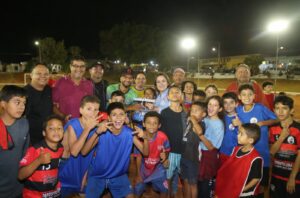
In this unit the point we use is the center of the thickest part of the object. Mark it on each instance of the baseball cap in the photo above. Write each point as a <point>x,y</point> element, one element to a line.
<point>178,69</point>
<point>95,64</point>
<point>127,71</point>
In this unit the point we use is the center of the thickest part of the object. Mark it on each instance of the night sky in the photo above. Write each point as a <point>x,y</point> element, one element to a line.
<point>239,25</point>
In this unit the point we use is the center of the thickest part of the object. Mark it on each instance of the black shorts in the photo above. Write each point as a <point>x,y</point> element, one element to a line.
<point>278,189</point>
<point>265,177</point>
<point>189,170</point>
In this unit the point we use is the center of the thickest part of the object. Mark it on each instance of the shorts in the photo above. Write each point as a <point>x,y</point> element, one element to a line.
<point>278,189</point>
<point>265,177</point>
<point>159,185</point>
<point>174,164</point>
<point>189,170</point>
<point>118,186</point>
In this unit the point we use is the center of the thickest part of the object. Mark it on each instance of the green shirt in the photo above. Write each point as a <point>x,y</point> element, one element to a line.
<point>129,96</point>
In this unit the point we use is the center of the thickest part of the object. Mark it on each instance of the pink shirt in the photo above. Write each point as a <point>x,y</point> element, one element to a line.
<point>68,95</point>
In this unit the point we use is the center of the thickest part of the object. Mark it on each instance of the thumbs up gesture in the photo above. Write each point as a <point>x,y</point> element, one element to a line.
<point>44,158</point>
<point>236,121</point>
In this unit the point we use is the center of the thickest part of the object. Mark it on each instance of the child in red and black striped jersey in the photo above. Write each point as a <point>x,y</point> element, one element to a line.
<point>39,167</point>
<point>285,148</point>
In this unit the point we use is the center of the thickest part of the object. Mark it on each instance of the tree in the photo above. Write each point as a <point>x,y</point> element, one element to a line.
<point>53,52</point>
<point>253,62</point>
<point>136,43</point>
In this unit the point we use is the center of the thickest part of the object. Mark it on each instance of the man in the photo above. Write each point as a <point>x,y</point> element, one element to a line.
<point>96,71</point>
<point>242,74</point>
<point>139,86</point>
<point>178,76</point>
<point>126,81</point>
<point>39,101</point>
<point>69,90</point>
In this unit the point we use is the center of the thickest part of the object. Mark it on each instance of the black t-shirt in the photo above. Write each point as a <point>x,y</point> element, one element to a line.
<point>255,170</point>
<point>100,92</point>
<point>38,107</point>
<point>173,125</point>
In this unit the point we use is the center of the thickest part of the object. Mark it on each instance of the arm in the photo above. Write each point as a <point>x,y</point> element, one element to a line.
<point>26,171</point>
<point>198,130</point>
<point>61,114</point>
<point>143,147</point>
<point>252,183</point>
<point>291,182</point>
<point>276,146</point>
<point>267,122</point>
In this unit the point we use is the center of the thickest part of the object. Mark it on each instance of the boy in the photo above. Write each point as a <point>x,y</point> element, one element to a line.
<point>74,166</point>
<point>241,173</point>
<point>230,102</point>
<point>14,139</point>
<point>39,167</point>
<point>113,143</point>
<point>268,92</point>
<point>250,112</point>
<point>173,124</point>
<point>117,96</point>
<point>152,169</point>
<point>199,95</point>
<point>285,148</point>
<point>189,163</point>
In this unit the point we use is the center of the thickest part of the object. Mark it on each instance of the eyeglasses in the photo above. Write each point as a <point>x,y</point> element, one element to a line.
<point>78,66</point>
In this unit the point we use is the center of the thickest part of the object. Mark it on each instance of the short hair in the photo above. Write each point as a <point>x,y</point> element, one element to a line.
<point>52,117</point>
<point>199,92</point>
<point>164,75</point>
<point>285,100</point>
<point>202,105</point>
<point>77,58</point>
<point>117,93</point>
<point>152,89</point>
<point>37,64</point>
<point>188,81</point>
<point>174,87</point>
<point>230,95</point>
<point>152,114</point>
<point>140,72</point>
<point>245,87</point>
<point>242,65</point>
<point>252,130</point>
<point>211,86</point>
<point>89,99</point>
<point>115,105</point>
<point>219,99</point>
<point>267,83</point>
<point>10,91</point>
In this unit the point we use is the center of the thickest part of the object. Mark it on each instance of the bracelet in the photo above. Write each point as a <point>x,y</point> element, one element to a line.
<point>200,134</point>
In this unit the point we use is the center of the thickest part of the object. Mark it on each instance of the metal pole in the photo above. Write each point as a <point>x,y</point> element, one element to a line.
<point>276,61</point>
<point>219,53</point>
<point>40,53</point>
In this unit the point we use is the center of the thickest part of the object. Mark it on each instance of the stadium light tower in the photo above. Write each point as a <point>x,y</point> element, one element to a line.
<point>188,43</point>
<point>277,27</point>
<point>37,43</point>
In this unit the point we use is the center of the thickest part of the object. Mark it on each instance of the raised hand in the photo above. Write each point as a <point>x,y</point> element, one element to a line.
<point>236,121</point>
<point>163,155</point>
<point>44,158</point>
<point>90,123</point>
<point>139,132</point>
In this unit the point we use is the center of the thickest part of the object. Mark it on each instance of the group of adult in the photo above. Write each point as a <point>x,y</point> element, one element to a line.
<point>65,96</point>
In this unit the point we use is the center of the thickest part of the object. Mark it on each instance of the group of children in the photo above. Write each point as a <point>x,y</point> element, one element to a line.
<point>217,146</point>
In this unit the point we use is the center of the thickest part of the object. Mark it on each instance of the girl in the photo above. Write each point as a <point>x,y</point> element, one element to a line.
<point>161,84</point>
<point>188,88</point>
<point>211,141</point>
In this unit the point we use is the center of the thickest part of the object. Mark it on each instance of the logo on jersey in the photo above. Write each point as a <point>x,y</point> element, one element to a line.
<point>253,120</point>
<point>291,140</point>
<point>231,127</point>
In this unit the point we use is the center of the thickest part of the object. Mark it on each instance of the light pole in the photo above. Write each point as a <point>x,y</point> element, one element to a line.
<point>37,43</point>
<point>188,44</point>
<point>218,50</point>
<point>277,27</point>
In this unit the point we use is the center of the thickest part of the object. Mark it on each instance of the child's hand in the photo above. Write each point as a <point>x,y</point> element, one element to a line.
<point>163,155</point>
<point>196,126</point>
<point>149,105</point>
<point>103,126</point>
<point>290,186</point>
<point>90,123</point>
<point>139,132</point>
<point>236,121</point>
<point>285,132</point>
<point>44,158</point>
<point>166,163</point>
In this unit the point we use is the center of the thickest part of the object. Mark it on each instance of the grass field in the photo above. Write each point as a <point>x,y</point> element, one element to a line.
<point>282,85</point>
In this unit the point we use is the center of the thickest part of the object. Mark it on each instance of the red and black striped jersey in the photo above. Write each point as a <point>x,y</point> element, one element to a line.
<point>44,180</point>
<point>285,157</point>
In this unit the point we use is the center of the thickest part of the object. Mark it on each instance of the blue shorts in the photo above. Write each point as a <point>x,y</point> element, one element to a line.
<point>160,185</point>
<point>174,164</point>
<point>189,170</point>
<point>118,186</point>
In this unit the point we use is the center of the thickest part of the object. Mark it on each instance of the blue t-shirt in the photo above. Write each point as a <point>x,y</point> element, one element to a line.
<point>230,136</point>
<point>214,132</point>
<point>73,169</point>
<point>259,113</point>
<point>112,154</point>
